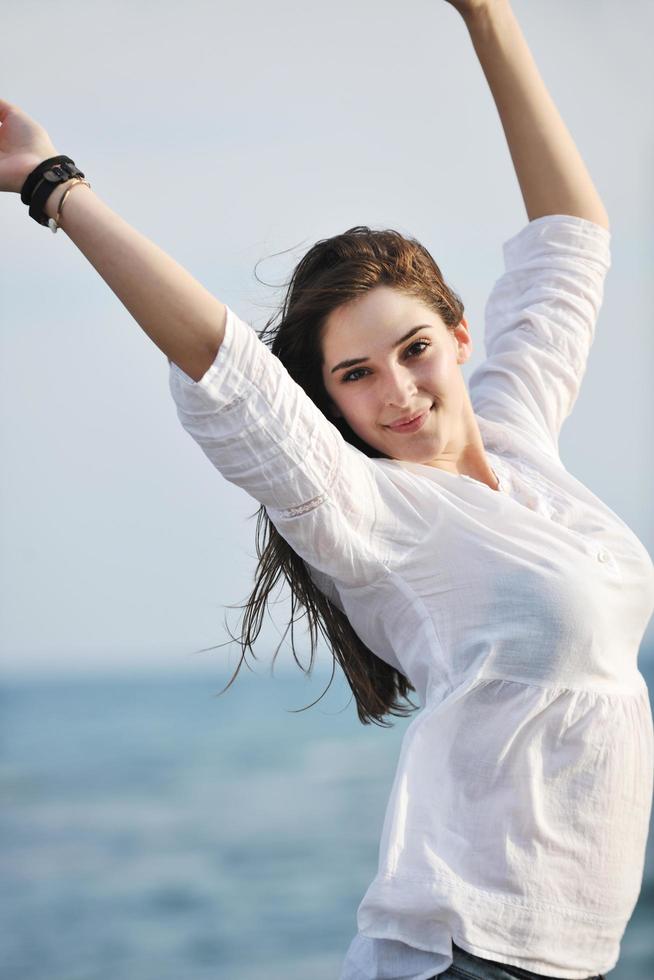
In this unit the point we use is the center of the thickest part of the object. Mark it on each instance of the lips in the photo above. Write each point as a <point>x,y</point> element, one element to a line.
<point>410,423</point>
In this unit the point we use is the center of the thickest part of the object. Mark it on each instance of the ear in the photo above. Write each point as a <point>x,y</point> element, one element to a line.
<point>463,341</point>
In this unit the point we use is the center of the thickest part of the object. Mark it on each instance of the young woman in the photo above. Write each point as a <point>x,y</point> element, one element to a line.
<point>433,534</point>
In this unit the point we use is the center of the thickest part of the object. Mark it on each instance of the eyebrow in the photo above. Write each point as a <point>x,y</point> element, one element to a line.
<point>360,360</point>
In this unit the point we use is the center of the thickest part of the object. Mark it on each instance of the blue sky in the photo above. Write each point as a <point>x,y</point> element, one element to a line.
<point>227,132</point>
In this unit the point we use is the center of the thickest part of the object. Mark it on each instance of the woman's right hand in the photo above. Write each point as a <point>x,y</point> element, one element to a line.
<point>24,144</point>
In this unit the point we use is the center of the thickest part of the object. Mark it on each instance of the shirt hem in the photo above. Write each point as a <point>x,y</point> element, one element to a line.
<point>563,941</point>
<point>533,965</point>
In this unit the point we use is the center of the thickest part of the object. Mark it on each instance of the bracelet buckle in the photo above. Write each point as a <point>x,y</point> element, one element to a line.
<point>56,174</point>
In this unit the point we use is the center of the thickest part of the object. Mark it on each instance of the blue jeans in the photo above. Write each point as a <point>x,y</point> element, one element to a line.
<point>465,966</point>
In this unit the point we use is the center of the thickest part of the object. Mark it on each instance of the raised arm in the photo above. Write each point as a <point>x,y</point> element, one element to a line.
<point>179,315</point>
<point>552,175</point>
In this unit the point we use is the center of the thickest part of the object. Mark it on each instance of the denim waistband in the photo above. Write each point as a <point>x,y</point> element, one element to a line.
<point>472,967</point>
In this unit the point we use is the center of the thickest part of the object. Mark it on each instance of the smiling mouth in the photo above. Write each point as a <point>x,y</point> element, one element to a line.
<point>411,424</point>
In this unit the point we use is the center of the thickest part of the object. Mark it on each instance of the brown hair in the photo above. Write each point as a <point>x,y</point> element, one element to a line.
<point>334,271</point>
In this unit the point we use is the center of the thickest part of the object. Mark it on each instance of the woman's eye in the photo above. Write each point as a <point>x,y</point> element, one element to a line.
<point>349,376</point>
<point>418,343</point>
<point>421,344</point>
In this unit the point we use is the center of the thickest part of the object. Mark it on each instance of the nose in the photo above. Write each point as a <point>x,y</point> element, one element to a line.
<point>399,388</point>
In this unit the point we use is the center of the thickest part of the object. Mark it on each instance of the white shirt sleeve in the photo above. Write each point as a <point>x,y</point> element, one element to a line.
<point>261,430</point>
<point>540,324</point>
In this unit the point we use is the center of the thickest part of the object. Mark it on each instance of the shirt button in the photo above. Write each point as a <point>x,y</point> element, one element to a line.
<point>603,555</point>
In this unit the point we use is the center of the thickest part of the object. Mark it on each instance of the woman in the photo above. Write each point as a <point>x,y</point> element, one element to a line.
<point>434,535</point>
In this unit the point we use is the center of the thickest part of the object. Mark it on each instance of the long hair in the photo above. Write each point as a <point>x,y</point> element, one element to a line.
<point>334,271</point>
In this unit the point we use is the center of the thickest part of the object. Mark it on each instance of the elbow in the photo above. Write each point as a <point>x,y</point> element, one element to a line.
<point>597,215</point>
<point>601,218</point>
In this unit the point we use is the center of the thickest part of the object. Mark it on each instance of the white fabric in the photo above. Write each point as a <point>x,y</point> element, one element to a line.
<point>518,817</point>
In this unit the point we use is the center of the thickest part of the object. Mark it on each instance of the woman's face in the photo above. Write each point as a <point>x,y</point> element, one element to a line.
<point>409,365</point>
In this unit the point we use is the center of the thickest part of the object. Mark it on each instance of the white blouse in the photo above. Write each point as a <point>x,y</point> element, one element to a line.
<point>518,817</point>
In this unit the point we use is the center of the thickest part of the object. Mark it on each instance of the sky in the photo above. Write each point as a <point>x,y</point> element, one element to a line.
<point>228,132</point>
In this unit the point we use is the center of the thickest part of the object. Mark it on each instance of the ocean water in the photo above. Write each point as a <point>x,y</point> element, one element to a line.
<point>152,831</point>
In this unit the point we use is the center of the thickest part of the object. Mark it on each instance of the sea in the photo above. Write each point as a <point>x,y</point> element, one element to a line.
<point>153,829</point>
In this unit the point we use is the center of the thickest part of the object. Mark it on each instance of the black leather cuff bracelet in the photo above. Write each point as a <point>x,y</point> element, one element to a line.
<point>51,177</point>
<point>34,178</point>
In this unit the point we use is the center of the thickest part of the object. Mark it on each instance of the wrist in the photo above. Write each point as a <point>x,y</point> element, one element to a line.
<point>482,14</point>
<point>52,203</point>
<point>30,166</point>
<point>54,206</point>
<point>47,187</point>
